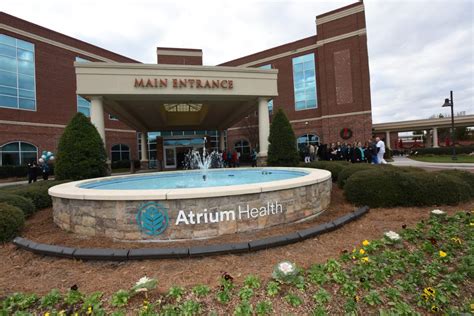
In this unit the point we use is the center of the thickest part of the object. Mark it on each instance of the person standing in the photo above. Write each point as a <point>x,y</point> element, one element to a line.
<point>380,150</point>
<point>312,152</point>
<point>45,170</point>
<point>32,171</point>
<point>254,157</point>
<point>307,157</point>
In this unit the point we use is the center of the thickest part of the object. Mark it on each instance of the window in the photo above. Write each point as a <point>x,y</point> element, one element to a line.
<point>243,147</point>
<point>304,82</point>
<point>17,154</point>
<point>113,118</point>
<point>17,74</point>
<point>307,139</point>
<point>270,103</point>
<point>83,105</point>
<point>120,152</point>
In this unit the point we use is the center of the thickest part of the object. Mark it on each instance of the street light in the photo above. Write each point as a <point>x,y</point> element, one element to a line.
<point>450,103</point>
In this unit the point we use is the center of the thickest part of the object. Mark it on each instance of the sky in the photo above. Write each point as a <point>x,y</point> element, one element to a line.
<point>419,50</point>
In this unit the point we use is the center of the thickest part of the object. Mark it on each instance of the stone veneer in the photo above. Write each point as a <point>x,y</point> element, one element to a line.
<point>117,219</point>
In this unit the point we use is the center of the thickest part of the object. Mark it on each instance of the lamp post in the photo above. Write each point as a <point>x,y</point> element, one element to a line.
<point>450,103</point>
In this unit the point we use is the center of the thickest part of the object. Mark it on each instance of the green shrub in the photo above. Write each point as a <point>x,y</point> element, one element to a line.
<point>389,187</point>
<point>282,142</point>
<point>37,192</point>
<point>12,220</point>
<point>13,172</point>
<point>122,164</point>
<point>381,187</point>
<point>81,153</point>
<point>335,167</point>
<point>464,176</point>
<point>348,171</point>
<point>24,204</point>
<point>444,150</point>
<point>438,188</point>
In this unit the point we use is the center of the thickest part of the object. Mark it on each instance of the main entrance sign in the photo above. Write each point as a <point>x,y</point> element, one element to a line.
<point>183,83</point>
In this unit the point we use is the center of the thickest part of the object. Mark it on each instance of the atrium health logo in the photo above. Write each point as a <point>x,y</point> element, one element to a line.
<point>152,218</point>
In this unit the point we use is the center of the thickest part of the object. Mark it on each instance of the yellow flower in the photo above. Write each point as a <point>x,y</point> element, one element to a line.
<point>425,297</point>
<point>472,308</point>
<point>366,242</point>
<point>429,291</point>
<point>89,310</point>
<point>46,314</point>
<point>62,313</point>
<point>353,257</point>
<point>365,259</point>
<point>434,308</point>
<point>361,251</point>
<point>457,240</point>
<point>442,254</point>
<point>471,224</point>
<point>356,298</point>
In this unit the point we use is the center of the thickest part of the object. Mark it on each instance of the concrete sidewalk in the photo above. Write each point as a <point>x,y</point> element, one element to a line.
<point>404,161</point>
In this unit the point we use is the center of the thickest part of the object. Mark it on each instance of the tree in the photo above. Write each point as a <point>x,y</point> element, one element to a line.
<point>250,130</point>
<point>81,153</point>
<point>282,149</point>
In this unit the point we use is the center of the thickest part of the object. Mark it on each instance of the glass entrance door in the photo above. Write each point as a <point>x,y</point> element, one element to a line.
<point>170,157</point>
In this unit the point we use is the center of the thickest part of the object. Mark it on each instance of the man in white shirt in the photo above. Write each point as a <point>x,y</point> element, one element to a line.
<point>380,150</point>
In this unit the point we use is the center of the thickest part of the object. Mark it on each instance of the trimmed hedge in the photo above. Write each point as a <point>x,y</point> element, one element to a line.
<point>20,171</point>
<point>464,176</point>
<point>351,169</point>
<point>24,204</point>
<point>444,150</point>
<point>121,164</point>
<point>389,187</point>
<point>37,192</point>
<point>380,188</point>
<point>12,220</point>
<point>335,167</point>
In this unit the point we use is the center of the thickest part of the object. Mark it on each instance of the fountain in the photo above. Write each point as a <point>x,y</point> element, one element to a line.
<point>206,202</point>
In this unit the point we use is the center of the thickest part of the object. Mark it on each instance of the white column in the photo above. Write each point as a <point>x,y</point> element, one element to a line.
<point>97,116</point>
<point>263,126</point>
<point>221,141</point>
<point>144,146</point>
<point>387,140</point>
<point>435,137</point>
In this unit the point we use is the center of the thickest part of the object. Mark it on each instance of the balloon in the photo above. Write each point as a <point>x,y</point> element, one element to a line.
<point>51,158</point>
<point>49,153</point>
<point>43,156</point>
<point>41,160</point>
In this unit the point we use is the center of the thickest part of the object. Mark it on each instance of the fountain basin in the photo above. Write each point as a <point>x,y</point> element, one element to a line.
<point>122,208</point>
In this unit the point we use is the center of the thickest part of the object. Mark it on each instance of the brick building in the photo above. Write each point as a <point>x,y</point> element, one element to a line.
<point>323,87</point>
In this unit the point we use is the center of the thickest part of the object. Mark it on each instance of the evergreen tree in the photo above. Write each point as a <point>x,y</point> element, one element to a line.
<point>81,153</point>
<point>282,150</point>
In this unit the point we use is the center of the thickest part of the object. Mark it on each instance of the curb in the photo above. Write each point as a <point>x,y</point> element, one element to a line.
<point>182,252</point>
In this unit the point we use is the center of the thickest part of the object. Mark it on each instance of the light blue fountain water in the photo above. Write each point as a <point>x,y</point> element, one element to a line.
<point>182,180</point>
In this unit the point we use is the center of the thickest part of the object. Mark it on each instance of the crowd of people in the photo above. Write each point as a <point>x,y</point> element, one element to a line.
<point>372,151</point>
<point>32,171</point>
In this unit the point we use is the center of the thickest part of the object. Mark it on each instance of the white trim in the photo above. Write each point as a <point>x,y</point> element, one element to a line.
<point>312,119</point>
<point>165,52</point>
<point>306,48</point>
<point>72,190</point>
<point>340,14</point>
<point>119,130</point>
<point>54,43</point>
<point>59,126</point>
<point>331,116</point>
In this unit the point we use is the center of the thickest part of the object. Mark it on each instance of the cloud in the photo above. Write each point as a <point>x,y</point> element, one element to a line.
<point>418,50</point>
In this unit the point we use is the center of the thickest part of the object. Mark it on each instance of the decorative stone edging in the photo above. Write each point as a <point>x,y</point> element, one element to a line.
<point>183,252</point>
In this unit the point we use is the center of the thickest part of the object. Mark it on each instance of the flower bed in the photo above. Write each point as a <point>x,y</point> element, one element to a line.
<point>425,268</point>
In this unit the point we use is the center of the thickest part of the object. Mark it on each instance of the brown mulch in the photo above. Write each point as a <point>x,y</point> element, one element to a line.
<point>22,271</point>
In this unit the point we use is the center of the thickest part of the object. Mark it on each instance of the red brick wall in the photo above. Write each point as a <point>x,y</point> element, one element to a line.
<point>163,58</point>
<point>342,80</point>
<point>56,99</point>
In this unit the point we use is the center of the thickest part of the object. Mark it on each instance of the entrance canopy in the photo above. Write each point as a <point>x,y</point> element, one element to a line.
<point>150,97</point>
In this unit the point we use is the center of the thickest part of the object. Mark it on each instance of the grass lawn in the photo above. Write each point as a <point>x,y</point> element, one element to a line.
<point>444,158</point>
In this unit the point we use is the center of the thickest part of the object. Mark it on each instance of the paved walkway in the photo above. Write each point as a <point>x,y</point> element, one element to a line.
<point>404,161</point>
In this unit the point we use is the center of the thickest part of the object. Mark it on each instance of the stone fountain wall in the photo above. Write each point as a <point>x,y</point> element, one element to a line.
<point>235,214</point>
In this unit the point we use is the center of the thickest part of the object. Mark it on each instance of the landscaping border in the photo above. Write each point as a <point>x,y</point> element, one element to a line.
<point>185,252</point>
